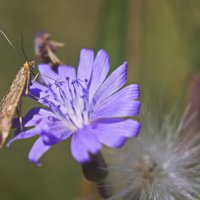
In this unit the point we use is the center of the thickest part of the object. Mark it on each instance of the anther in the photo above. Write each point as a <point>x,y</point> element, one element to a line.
<point>45,99</point>
<point>58,83</point>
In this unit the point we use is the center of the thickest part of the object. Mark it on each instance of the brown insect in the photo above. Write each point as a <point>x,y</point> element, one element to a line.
<point>12,100</point>
<point>45,48</point>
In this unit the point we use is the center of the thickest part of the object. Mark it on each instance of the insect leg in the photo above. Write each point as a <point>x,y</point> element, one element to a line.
<point>28,83</point>
<point>19,111</point>
<point>35,77</point>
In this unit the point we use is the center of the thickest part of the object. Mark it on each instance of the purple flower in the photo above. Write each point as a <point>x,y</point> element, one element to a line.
<point>83,106</point>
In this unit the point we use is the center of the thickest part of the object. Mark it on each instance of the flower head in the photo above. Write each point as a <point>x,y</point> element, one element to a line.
<point>83,106</point>
<point>161,164</point>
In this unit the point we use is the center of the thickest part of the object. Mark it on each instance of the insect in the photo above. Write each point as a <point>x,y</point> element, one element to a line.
<point>45,49</point>
<point>11,101</point>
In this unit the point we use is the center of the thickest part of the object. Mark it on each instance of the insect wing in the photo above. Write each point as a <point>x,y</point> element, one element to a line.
<point>10,102</point>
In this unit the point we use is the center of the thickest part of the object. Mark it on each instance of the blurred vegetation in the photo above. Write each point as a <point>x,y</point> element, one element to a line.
<point>159,38</point>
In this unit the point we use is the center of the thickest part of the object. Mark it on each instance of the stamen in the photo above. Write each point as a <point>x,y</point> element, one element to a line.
<point>79,84</point>
<point>45,99</point>
<point>52,119</point>
<point>52,91</point>
<point>73,83</point>
<point>82,115</point>
<point>86,82</point>
<point>84,102</point>
<point>72,121</point>
<point>58,83</point>
<point>63,96</point>
<point>71,107</point>
<point>69,88</point>
<point>52,106</point>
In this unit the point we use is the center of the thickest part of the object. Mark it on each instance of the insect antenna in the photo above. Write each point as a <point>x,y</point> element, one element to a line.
<point>22,46</point>
<point>8,40</point>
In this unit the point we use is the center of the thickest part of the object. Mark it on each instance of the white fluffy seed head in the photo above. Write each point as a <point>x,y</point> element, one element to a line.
<point>163,163</point>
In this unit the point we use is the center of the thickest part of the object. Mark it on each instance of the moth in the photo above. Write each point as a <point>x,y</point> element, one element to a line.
<point>11,101</point>
<point>45,48</point>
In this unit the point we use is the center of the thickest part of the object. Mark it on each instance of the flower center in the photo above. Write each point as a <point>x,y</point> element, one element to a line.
<point>70,102</point>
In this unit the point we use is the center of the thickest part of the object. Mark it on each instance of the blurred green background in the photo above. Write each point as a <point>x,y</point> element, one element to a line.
<point>159,38</point>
